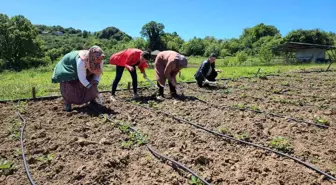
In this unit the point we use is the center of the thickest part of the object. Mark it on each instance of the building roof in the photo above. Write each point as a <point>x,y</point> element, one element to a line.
<point>296,46</point>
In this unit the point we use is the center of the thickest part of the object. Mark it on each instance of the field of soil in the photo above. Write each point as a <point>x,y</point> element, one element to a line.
<point>86,146</point>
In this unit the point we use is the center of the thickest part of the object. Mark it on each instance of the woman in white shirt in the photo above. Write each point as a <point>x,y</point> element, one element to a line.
<point>79,73</point>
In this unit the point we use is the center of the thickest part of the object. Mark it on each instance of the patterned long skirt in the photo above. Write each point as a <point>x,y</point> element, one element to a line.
<point>74,92</point>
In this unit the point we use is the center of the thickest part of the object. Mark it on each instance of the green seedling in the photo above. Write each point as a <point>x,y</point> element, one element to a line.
<point>243,136</point>
<point>239,106</point>
<point>148,158</point>
<point>21,107</point>
<point>45,158</point>
<point>224,130</point>
<point>323,106</point>
<point>13,130</point>
<point>195,181</point>
<point>255,108</point>
<point>126,144</point>
<point>292,102</point>
<point>243,87</point>
<point>4,164</point>
<point>314,160</point>
<point>285,84</point>
<point>135,102</point>
<point>277,91</point>
<point>244,95</point>
<point>132,137</point>
<point>201,98</point>
<point>18,152</point>
<point>124,128</point>
<point>104,118</point>
<point>281,143</point>
<point>152,104</point>
<point>321,120</point>
<point>334,169</point>
<point>226,91</point>
<point>6,167</point>
<point>138,138</point>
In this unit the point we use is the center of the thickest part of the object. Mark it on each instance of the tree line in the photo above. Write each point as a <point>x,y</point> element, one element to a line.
<point>24,45</point>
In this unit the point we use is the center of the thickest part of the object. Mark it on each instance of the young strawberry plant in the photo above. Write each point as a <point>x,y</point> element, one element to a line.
<point>281,144</point>
<point>321,120</point>
<point>195,181</point>
<point>6,167</point>
<point>45,158</point>
<point>243,136</point>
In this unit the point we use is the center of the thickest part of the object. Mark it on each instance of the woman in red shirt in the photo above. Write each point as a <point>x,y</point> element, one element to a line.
<point>128,59</point>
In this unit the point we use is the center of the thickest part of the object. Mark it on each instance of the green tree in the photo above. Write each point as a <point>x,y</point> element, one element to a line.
<point>263,48</point>
<point>112,33</point>
<point>194,47</point>
<point>241,57</point>
<point>251,35</point>
<point>153,31</point>
<point>18,40</point>
<point>172,41</point>
<point>139,43</point>
<point>315,36</point>
<point>212,48</point>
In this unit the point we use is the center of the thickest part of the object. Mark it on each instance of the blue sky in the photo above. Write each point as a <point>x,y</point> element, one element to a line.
<point>220,18</point>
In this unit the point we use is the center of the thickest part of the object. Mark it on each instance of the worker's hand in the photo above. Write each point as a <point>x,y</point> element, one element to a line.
<point>95,82</point>
<point>130,68</point>
<point>144,75</point>
<point>100,98</point>
<point>206,81</point>
<point>218,71</point>
<point>159,85</point>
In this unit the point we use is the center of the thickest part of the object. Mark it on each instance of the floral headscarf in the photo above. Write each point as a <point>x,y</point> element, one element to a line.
<point>89,58</point>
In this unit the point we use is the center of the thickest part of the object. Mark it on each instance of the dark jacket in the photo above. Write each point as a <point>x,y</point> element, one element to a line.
<point>203,70</point>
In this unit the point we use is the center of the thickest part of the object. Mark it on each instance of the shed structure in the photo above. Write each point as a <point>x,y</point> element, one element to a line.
<point>306,52</point>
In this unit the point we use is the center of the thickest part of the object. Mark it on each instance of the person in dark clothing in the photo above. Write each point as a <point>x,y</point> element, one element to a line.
<point>207,72</point>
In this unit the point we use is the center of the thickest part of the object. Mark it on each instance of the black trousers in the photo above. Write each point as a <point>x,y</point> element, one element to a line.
<point>171,87</point>
<point>119,72</point>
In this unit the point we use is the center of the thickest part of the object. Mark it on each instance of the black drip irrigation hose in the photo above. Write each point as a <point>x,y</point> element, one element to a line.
<point>176,163</point>
<point>269,113</point>
<point>264,112</point>
<point>245,142</point>
<point>23,153</point>
<point>158,155</point>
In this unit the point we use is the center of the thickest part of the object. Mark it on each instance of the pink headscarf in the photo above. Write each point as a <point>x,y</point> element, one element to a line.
<point>89,58</point>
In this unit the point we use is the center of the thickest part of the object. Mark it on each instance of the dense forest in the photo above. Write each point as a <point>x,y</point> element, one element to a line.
<point>24,45</point>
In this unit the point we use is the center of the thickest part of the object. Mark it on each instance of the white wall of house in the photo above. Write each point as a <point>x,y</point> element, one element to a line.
<point>313,54</point>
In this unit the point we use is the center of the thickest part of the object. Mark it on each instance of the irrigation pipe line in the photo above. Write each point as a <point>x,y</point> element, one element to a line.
<point>244,142</point>
<point>176,163</point>
<point>22,148</point>
<point>158,155</point>
<point>264,112</point>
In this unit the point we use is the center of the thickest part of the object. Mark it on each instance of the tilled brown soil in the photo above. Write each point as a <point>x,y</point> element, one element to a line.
<point>87,148</point>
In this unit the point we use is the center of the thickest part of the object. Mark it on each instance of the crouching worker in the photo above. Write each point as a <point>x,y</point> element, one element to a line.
<point>79,73</point>
<point>129,59</point>
<point>207,73</point>
<point>167,65</point>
